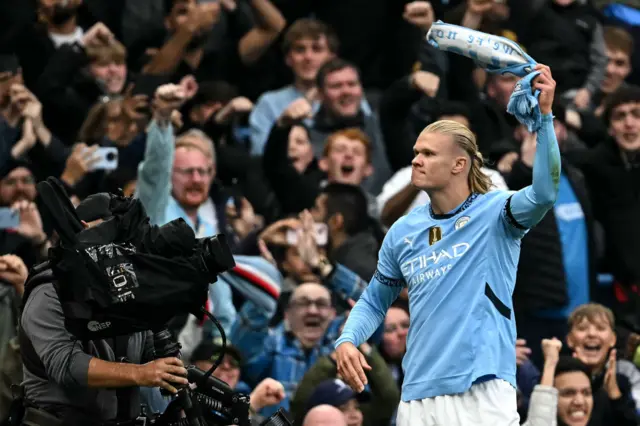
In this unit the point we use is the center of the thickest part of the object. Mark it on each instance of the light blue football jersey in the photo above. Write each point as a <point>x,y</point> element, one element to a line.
<point>460,287</point>
<point>460,269</point>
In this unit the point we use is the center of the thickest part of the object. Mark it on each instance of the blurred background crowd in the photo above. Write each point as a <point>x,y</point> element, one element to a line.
<point>288,126</point>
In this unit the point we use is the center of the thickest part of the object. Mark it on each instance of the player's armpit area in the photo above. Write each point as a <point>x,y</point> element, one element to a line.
<point>391,282</point>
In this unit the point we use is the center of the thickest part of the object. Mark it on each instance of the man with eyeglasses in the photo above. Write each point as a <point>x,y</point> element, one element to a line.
<point>268,392</point>
<point>174,181</point>
<point>287,351</point>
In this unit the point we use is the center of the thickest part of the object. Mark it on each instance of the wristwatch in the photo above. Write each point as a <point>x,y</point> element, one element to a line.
<point>323,268</point>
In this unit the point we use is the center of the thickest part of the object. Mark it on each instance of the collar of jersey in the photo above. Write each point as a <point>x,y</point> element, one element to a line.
<point>462,207</point>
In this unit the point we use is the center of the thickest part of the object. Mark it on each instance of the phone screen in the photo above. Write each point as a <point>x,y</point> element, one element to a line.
<point>321,235</point>
<point>9,218</point>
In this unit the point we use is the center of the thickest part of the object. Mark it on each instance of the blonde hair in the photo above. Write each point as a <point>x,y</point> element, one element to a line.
<point>105,54</point>
<point>479,182</point>
<point>591,312</point>
<point>198,140</point>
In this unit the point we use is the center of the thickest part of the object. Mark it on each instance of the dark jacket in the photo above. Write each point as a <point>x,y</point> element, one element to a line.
<point>359,253</point>
<point>63,388</point>
<point>384,392</point>
<point>614,183</point>
<point>566,38</point>
<point>294,191</point>
<point>540,282</point>
<point>606,411</point>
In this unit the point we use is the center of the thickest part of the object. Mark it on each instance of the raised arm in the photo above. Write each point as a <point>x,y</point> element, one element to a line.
<point>529,205</point>
<point>154,172</point>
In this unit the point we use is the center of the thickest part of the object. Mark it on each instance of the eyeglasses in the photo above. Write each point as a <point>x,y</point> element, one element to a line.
<point>228,359</point>
<point>390,328</point>
<point>24,180</point>
<point>320,304</point>
<point>189,171</point>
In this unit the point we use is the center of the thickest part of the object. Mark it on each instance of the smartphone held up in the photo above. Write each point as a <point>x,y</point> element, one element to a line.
<point>320,232</point>
<point>9,218</point>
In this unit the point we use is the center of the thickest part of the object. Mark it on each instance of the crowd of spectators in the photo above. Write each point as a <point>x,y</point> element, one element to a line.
<point>288,126</point>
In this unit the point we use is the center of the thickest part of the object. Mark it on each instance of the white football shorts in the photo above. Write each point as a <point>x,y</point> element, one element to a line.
<point>490,403</point>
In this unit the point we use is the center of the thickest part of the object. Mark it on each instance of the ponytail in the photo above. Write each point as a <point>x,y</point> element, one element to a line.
<point>479,182</point>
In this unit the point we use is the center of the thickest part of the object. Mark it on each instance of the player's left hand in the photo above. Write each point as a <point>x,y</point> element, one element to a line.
<point>547,86</point>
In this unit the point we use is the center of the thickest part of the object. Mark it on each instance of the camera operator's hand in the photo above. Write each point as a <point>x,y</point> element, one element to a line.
<point>14,271</point>
<point>168,98</point>
<point>268,392</point>
<point>161,373</point>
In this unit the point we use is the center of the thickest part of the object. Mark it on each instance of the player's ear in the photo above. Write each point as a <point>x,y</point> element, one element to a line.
<point>459,164</point>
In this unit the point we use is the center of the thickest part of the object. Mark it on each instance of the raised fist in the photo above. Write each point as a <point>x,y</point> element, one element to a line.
<point>297,111</point>
<point>551,349</point>
<point>420,14</point>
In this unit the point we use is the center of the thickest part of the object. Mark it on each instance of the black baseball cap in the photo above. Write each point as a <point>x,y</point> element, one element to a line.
<point>9,63</point>
<point>94,207</point>
<point>11,165</point>
<point>210,351</point>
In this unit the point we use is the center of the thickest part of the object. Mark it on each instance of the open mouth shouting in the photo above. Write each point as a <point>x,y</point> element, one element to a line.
<point>347,170</point>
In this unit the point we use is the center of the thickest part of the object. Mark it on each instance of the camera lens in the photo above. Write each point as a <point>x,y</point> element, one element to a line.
<point>111,156</point>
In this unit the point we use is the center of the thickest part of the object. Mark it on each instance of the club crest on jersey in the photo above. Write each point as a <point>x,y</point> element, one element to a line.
<point>435,235</point>
<point>462,222</point>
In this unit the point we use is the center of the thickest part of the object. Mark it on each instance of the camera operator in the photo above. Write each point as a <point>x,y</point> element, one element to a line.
<point>68,382</point>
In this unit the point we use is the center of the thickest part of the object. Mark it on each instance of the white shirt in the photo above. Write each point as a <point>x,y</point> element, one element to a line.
<point>402,179</point>
<point>60,39</point>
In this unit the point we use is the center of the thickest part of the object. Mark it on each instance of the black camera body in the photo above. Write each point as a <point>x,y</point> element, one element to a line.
<point>124,275</point>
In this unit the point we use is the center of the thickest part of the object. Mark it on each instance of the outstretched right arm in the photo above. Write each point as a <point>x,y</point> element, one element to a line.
<point>371,308</point>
